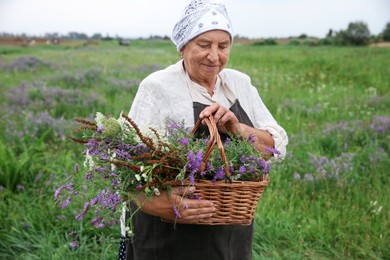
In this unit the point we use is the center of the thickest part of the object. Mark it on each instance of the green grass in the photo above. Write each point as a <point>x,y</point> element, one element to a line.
<point>334,102</point>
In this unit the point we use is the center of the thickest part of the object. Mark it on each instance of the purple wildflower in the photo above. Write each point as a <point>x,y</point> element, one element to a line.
<point>209,167</point>
<point>115,183</point>
<point>185,141</point>
<point>297,176</point>
<point>89,176</point>
<point>85,210</point>
<point>93,147</point>
<point>57,193</point>
<point>76,168</point>
<point>93,201</point>
<point>243,158</point>
<point>272,150</point>
<point>219,174</point>
<point>227,141</point>
<point>101,169</point>
<point>262,164</point>
<point>173,127</point>
<point>267,168</point>
<point>252,138</point>
<point>66,202</point>
<point>98,222</point>
<point>73,245</point>
<point>194,164</point>
<point>104,156</point>
<point>100,129</point>
<point>176,211</point>
<point>242,169</point>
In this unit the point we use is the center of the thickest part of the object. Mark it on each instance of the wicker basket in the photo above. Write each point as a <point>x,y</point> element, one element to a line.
<point>235,201</point>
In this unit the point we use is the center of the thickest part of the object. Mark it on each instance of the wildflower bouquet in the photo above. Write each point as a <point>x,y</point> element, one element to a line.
<point>122,162</point>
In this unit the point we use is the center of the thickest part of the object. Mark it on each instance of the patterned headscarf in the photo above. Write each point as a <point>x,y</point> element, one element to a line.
<point>198,17</point>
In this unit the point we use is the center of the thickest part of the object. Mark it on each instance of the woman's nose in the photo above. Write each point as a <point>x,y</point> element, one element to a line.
<point>213,55</point>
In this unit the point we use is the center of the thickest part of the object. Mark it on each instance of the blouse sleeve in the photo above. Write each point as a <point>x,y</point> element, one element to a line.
<point>145,110</point>
<point>264,120</point>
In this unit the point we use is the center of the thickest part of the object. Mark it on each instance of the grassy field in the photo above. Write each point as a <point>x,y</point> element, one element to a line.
<point>329,199</point>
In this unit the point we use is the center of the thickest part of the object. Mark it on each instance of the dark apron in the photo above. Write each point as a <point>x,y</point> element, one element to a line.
<point>157,240</point>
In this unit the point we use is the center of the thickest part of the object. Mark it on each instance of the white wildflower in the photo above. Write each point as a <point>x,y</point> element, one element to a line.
<point>88,162</point>
<point>99,119</point>
<point>378,210</point>
<point>113,166</point>
<point>122,121</point>
<point>156,191</point>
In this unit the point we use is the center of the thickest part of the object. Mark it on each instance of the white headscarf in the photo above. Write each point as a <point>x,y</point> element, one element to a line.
<point>198,17</point>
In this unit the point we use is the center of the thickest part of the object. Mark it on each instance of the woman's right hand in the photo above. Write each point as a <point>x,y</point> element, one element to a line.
<point>190,210</point>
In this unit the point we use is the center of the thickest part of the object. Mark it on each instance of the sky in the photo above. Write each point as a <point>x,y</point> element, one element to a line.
<point>143,18</point>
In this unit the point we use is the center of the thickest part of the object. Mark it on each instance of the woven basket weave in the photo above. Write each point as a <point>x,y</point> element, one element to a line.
<point>235,201</point>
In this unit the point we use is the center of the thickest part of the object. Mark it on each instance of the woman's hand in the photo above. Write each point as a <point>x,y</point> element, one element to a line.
<point>189,210</point>
<point>228,123</point>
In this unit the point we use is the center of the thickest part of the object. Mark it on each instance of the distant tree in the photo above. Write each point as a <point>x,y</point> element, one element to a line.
<point>326,41</point>
<point>357,33</point>
<point>294,41</point>
<point>330,34</point>
<point>386,33</point>
<point>52,35</point>
<point>97,36</point>
<point>76,35</point>
<point>302,36</point>
<point>268,41</point>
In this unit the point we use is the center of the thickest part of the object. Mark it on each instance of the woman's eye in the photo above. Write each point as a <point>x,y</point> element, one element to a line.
<point>204,46</point>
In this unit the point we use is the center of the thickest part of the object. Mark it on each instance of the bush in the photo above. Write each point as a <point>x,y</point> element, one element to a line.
<point>294,42</point>
<point>357,33</point>
<point>386,33</point>
<point>326,41</point>
<point>268,41</point>
<point>310,42</point>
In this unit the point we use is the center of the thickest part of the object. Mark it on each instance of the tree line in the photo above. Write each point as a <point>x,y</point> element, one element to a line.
<point>357,33</point>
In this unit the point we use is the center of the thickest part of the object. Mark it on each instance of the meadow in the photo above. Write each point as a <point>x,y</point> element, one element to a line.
<point>328,199</point>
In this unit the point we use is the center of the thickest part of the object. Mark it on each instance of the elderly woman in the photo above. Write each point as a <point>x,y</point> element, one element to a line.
<point>198,85</point>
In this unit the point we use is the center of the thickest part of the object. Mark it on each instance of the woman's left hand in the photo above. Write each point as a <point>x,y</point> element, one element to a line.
<point>226,120</point>
<point>228,123</point>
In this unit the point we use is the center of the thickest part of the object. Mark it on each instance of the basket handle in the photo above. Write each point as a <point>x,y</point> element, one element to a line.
<point>214,139</point>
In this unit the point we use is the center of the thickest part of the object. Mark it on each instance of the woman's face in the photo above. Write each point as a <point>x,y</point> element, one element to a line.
<point>206,55</point>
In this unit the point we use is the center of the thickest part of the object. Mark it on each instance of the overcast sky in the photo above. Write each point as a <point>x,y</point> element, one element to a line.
<point>142,18</point>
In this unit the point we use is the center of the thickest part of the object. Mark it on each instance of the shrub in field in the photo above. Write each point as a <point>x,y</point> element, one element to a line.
<point>386,33</point>
<point>294,42</point>
<point>27,63</point>
<point>357,33</point>
<point>17,169</point>
<point>79,79</point>
<point>346,151</point>
<point>38,96</point>
<point>326,41</point>
<point>310,42</point>
<point>31,126</point>
<point>268,41</point>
